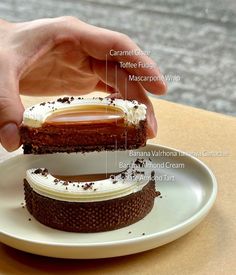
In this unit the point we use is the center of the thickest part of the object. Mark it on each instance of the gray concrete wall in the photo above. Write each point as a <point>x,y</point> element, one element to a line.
<point>194,40</point>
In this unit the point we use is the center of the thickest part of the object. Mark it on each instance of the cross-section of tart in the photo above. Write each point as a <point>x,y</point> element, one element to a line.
<point>91,203</point>
<point>82,125</point>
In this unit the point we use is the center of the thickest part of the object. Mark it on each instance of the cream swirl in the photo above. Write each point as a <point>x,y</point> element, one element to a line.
<point>36,115</point>
<point>133,179</point>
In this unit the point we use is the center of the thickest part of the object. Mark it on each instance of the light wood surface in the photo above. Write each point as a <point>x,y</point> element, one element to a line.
<point>209,249</point>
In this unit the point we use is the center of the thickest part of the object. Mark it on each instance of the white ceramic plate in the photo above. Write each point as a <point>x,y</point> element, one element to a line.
<point>188,193</point>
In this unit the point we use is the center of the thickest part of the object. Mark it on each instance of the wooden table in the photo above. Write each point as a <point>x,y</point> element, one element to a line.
<point>208,249</point>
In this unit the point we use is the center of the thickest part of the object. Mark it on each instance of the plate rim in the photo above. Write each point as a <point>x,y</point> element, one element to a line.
<point>196,217</point>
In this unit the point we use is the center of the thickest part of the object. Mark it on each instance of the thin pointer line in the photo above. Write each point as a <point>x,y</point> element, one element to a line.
<point>126,91</point>
<point>116,81</point>
<point>106,109</point>
<point>126,88</point>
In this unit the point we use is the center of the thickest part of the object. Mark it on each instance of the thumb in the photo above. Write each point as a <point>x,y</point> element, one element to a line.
<point>11,114</point>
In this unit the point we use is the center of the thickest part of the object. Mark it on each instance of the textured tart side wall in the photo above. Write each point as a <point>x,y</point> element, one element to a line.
<point>90,216</point>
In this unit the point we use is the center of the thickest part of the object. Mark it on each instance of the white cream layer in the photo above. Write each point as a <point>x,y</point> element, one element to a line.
<point>36,115</point>
<point>100,190</point>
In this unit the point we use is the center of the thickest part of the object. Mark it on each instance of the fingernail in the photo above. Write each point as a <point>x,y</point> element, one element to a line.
<point>163,88</point>
<point>10,137</point>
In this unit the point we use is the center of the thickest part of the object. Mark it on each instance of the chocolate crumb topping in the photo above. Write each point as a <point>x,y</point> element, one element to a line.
<point>143,234</point>
<point>56,180</point>
<point>136,107</point>
<point>139,172</point>
<point>152,175</point>
<point>123,175</point>
<point>132,174</point>
<point>87,185</point>
<point>38,171</point>
<point>65,183</point>
<point>45,172</point>
<point>65,99</point>
<point>114,181</point>
<point>42,104</point>
<point>140,162</point>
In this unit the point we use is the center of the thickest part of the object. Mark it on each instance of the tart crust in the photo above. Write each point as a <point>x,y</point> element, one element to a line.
<point>90,217</point>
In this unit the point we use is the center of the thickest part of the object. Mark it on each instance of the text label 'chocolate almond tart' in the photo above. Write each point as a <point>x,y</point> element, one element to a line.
<point>82,125</point>
<point>91,203</point>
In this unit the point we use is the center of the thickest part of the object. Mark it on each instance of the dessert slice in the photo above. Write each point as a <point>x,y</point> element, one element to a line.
<point>91,203</point>
<point>81,125</point>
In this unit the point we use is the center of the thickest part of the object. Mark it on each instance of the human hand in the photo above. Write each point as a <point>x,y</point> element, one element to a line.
<point>67,56</point>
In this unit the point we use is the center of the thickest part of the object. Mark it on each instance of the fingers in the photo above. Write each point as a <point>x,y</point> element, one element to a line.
<point>101,86</point>
<point>127,72</point>
<point>111,74</point>
<point>9,136</point>
<point>11,113</point>
<point>120,48</point>
<point>96,42</point>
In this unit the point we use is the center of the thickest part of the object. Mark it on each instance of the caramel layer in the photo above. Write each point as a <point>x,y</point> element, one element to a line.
<point>85,178</point>
<point>87,114</point>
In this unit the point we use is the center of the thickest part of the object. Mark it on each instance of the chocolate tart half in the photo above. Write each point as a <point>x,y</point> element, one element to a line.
<point>91,203</point>
<point>83,125</point>
<point>90,217</point>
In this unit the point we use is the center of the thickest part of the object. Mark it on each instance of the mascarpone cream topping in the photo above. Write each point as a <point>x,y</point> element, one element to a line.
<point>36,115</point>
<point>133,179</point>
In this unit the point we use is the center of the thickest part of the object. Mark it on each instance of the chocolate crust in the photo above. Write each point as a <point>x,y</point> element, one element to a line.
<point>88,217</point>
<point>53,139</point>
